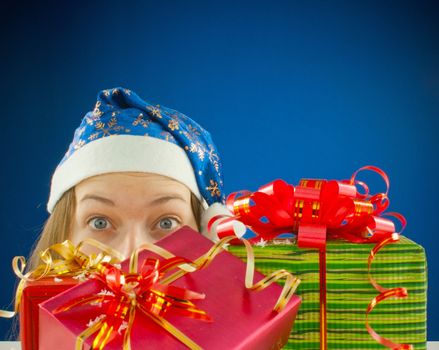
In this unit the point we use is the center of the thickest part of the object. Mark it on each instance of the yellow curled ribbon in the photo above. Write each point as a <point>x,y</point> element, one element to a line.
<point>290,285</point>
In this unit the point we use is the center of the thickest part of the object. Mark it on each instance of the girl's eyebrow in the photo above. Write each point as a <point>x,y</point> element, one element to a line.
<point>156,201</point>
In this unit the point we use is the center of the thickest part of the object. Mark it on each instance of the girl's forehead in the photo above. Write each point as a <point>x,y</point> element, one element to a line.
<point>128,177</point>
<point>131,183</point>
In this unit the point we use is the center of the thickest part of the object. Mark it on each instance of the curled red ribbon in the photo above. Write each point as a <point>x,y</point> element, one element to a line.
<point>316,210</point>
<point>385,293</point>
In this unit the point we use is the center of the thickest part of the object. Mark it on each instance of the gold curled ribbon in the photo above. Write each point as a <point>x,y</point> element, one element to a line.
<point>72,262</point>
<point>290,285</point>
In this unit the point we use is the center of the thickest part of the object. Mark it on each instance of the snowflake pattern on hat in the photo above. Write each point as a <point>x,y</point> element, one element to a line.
<point>120,111</point>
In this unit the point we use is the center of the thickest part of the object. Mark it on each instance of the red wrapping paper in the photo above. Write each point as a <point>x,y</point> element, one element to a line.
<point>35,293</point>
<point>242,319</point>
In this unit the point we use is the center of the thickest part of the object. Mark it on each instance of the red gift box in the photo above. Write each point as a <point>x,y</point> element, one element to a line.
<point>34,293</point>
<point>62,266</point>
<point>242,319</point>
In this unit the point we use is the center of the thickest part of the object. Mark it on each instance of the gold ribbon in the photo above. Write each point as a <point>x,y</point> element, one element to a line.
<point>291,282</point>
<point>72,262</point>
<point>290,285</point>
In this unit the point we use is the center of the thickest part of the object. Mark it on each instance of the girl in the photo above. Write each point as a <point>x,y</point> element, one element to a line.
<point>133,173</point>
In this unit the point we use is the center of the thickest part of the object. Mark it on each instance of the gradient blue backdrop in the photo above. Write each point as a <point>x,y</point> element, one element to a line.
<point>288,89</point>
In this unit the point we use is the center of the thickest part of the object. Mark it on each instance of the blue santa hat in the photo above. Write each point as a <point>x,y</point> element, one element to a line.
<point>124,133</point>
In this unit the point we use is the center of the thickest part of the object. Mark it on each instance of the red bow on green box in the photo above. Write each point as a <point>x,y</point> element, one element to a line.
<point>316,210</point>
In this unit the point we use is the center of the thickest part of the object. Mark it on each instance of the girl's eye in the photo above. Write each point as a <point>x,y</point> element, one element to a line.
<point>167,223</point>
<point>99,223</point>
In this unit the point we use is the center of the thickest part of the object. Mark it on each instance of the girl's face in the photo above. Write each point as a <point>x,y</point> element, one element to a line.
<point>124,210</point>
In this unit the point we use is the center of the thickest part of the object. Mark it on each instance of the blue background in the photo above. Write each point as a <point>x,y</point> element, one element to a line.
<point>288,89</point>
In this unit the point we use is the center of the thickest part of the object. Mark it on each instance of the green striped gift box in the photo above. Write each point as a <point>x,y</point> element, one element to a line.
<point>401,264</point>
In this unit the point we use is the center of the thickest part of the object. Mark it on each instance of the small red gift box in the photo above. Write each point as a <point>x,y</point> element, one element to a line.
<point>242,318</point>
<point>33,294</point>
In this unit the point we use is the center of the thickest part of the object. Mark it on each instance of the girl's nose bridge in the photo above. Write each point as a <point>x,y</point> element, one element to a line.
<point>135,235</point>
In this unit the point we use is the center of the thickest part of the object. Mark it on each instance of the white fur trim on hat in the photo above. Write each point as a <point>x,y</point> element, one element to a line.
<point>214,210</point>
<point>123,153</point>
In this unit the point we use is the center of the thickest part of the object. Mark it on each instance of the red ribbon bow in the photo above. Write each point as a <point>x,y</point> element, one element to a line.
<point>317,210</point>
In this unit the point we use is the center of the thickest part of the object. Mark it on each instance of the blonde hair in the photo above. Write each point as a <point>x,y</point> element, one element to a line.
<point>57,227</point>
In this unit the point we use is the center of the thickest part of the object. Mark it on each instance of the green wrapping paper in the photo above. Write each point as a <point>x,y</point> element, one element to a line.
<point>401,264</point>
